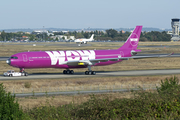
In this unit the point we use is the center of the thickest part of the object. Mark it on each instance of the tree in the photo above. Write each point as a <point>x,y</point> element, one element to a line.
<point>86,35</point>
<point>75,34</point>
<point>111,33</point>
<point>79,35</point>
<point>31,38</point>
<point>9,109</point>
<point>3,35</point>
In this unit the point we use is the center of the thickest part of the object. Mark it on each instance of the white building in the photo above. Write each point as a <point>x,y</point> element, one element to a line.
<point>71,38</point>
<point>60,37</point>
<point>40,31</point>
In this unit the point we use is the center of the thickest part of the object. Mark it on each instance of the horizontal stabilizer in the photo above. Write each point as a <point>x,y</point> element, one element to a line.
<point>134,52</point>
<point>152,56</point>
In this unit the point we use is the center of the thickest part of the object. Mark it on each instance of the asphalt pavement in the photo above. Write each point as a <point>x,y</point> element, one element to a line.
<point>98,74</point>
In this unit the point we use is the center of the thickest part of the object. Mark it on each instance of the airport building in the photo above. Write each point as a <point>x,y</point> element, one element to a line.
<point>175,29</point>
<point>59,37</point>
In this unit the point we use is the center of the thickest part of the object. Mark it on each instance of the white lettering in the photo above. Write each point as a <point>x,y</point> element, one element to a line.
<point>55,56</point>
<point>134,39</point>
<point>85,54</point>
<point>72,55</point>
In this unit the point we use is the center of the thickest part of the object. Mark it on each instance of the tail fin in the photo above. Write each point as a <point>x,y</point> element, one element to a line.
<point>132,41</point>
<point>91,38</point>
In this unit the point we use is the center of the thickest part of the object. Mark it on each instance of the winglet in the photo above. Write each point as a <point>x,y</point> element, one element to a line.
<point>166,55</point>
<point>171,54</point>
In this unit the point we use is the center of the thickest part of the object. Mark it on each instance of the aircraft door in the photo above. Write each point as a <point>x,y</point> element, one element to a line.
<point>25,58</point>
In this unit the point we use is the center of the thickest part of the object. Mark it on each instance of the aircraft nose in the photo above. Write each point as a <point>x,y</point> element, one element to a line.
<point>8,61</point>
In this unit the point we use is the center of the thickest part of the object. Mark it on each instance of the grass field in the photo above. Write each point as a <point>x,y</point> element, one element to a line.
<point>153,63</point>
<point>29,102</point>
<point>7,49</point>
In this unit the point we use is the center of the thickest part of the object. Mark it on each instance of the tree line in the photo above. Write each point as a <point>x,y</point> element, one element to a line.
<point>110,34</point>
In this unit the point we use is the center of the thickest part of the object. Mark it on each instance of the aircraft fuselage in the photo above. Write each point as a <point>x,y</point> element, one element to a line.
<point>58,59</point>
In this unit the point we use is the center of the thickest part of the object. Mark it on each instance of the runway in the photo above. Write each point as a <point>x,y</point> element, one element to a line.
<point>52,44</point>
<point>73,44</point>
<point>3,58</point>
<point>98,74</point>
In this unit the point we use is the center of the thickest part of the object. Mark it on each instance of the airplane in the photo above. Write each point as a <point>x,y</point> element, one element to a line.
<point>79,58</point>
<point>84,40</point>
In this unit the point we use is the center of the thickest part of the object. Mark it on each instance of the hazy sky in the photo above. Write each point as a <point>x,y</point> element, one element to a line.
<point>88,13</point>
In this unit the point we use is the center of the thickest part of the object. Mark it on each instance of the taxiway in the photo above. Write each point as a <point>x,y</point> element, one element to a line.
<point>98,74</point>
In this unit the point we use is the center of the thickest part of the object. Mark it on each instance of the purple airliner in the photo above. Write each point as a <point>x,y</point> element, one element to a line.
<point>78,58</point>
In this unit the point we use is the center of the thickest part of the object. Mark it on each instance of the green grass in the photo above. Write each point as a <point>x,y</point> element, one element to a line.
<point>163,104</point>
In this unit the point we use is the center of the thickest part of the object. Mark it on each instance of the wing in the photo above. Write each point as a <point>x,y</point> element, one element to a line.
<point>94,61</point>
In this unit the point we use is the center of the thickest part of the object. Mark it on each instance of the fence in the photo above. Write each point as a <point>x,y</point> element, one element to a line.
<point>82,88</point>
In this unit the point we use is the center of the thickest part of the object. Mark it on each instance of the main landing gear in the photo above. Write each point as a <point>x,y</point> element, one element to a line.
<point>68,72</point>
<point>90,72</point>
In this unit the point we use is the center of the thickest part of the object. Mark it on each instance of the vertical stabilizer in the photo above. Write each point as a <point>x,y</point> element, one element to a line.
<point>132,41</point>
<point>91,38</point>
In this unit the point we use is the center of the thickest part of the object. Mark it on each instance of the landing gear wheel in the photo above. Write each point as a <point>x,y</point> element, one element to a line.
<point>68,71</point>
<point>64,72</point>
<point>89,72</point>
<point>93,73</point>
<point>86,73</point>
<point>71,72</point>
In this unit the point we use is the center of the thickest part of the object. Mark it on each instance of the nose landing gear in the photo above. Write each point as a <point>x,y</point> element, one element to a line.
<point>23,73</point>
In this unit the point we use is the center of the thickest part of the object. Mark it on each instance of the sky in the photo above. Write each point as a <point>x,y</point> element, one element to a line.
<point>80,14</point>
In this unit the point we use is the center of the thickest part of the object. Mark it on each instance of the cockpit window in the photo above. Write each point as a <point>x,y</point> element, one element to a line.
<point>14,57</point>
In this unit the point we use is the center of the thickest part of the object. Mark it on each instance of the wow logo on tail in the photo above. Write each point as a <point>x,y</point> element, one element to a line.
<point>132,41</point>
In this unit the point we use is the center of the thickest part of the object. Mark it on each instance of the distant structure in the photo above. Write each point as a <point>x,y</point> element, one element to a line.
<point>175,29</point>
